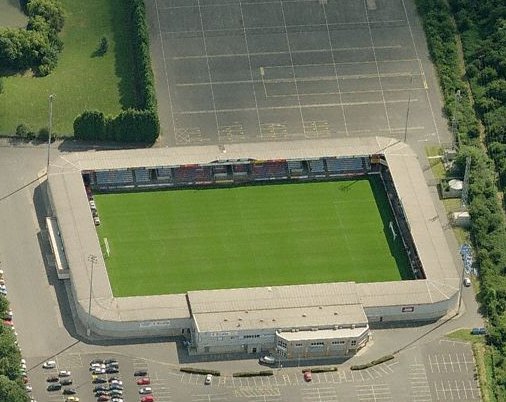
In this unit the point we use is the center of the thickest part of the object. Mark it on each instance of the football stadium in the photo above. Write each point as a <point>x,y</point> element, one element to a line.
<point>295,248</point>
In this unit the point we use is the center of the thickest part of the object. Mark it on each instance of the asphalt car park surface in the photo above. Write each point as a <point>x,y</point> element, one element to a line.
<point>235,71</point>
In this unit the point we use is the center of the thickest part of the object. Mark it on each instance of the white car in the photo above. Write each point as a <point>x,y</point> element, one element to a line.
<point>117,382</point>
<point>50,364</point>
<point>467,282</point>
<point>64,373</point>
<point>28,388</point>
<point>145,390</point>
<point>96,371</point>
<point>209,379</point>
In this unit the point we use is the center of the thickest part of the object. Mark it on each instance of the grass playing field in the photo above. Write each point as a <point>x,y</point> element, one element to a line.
<point>174,241</point>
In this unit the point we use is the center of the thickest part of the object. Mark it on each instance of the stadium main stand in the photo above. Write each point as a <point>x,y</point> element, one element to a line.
<point>339,166</point>
<point>298,169</point>
<point>262,170</point>
<point>142,175</point>
<point>317,168</point>
<point>113,178</point>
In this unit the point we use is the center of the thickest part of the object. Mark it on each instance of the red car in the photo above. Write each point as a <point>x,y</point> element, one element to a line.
<point>143,381</point>
<point>103,398</point>
<point>148,398</point>
<point>307,376</point>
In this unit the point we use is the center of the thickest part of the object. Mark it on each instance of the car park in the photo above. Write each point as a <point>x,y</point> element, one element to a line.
<point>146,390</point>
<point>54,387</point>
<point>140,373</point>
<point>308,377</point>
<point>69,391</point>
<point>50,364</point>
<point>209,379</point>
<point>143,381</point>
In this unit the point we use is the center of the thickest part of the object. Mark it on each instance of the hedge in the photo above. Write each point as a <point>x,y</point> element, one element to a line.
<point>262,373</point>
<point>194,370</point>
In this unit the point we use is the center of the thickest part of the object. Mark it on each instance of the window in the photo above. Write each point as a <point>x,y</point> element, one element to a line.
<point>353,343</point>
<point>339,342</point>
<point>298,345</point>
<point>283,344</point>
<point>250,336</point>
<point>317,344</point>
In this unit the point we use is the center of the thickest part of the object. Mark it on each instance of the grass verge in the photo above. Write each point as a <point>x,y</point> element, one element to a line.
<point>82,80</point>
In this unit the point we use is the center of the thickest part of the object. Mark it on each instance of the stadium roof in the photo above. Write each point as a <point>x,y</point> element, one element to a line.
<point>70,204</point>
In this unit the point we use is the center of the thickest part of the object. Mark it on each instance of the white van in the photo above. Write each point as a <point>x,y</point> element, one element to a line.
<point>467,282</point>
<point>267,360</point>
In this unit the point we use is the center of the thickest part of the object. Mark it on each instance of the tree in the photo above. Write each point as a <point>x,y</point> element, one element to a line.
<point>103,46</point>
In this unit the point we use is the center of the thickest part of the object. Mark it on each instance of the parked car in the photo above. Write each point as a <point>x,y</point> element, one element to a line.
<point>308,377</point>
<point>97,361</point>
<point>97,371</point>
<point>28,388</point>
<point>66,381</point>
<point>112,370</point>
<point>467,282</point>
<point>479,331</point>
<point>148,398</point>
<point>101,388</point>
<point>267,359</point>
<point>110,361</point>
<point>50,364</point>
<point>94,366</point>
<point>64,373</point>
<point>72,399</point>
<point>116,392</point>
<point>69,391</point>
<point>99,380</point>
<point>209,379</point>
<point>103,398</point>
<point>140,373</point>
<point>102,393</point>
<point>53,378</point>
<point>117,400</point>
<point>54,387</point>
<point>113,378</point>
<point>116,386</point>
<point>147,390</point>
<point>143,381</point>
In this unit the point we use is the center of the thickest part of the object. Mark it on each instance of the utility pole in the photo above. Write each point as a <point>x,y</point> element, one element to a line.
<point>93,259</point>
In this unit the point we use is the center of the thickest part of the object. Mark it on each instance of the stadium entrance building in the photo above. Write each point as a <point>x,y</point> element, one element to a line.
<point>329,319</point>
<point>294,321</point>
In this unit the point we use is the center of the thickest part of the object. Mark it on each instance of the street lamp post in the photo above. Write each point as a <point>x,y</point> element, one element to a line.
<point>93,259</point>
<point>50,127</point>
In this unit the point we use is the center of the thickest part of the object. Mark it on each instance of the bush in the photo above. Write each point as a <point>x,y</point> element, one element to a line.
<point>324,369</point>
<point>24,131</point>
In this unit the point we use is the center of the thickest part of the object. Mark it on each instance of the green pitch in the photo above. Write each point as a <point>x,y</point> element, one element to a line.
<point>166,242</point>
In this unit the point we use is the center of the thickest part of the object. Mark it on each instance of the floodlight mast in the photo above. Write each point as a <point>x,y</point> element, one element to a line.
<point>50,127</point>
<point>93,259</point>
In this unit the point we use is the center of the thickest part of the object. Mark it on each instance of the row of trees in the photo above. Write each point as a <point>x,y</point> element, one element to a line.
<point>141,123</point>
<point>479,24</point>
<point>38,45</point>
<point>11,384</point>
